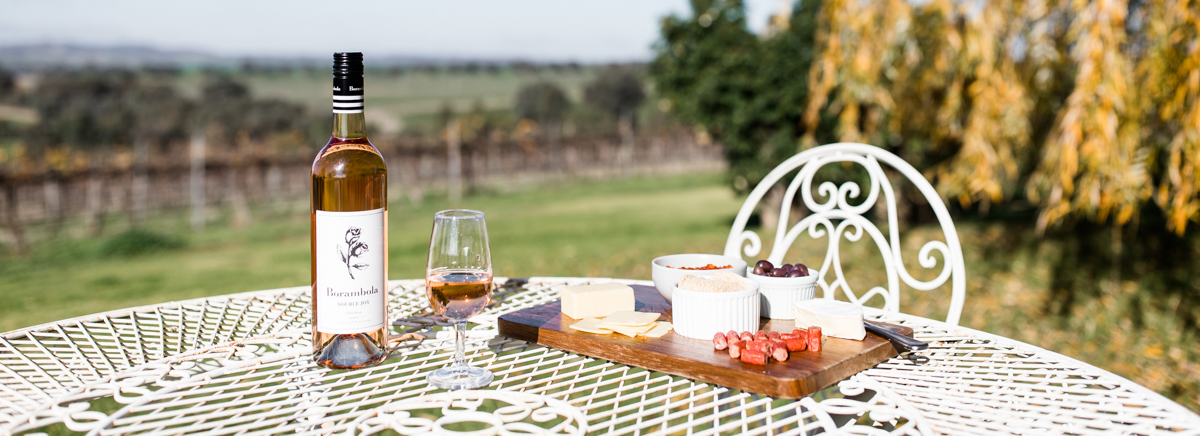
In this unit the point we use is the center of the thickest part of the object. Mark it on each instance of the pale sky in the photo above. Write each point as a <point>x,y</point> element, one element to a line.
<point>546,30</point>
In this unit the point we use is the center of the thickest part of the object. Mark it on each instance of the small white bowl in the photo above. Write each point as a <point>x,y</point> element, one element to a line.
<point>700,315</point>
<point>779,293</point>
<point>665,277</point>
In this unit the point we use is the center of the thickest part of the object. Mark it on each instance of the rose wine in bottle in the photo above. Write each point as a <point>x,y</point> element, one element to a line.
<point>349,233</point>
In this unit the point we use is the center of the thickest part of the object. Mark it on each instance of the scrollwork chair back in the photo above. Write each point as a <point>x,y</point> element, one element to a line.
<point>838,217</point>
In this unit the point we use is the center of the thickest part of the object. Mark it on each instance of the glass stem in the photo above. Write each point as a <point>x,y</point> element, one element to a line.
<point>460,339</point>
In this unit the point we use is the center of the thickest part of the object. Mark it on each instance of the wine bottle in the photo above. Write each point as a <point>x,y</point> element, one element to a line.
<point>349,233</point>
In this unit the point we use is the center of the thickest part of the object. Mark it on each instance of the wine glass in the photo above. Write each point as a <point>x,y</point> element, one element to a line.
<point>458,282</point>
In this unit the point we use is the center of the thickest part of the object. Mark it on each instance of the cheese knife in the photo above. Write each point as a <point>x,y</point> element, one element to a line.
<point>904,344</point>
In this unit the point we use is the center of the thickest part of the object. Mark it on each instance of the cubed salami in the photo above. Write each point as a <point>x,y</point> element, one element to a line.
<point>773,335</point>
<point>801,334</point>
<point>814,338</point>
<point>719,341</point>
<point>735,349</point>
<point>780,351</point>
<point>763,346</point>
<point>795,344</point>
<point>754,357</point>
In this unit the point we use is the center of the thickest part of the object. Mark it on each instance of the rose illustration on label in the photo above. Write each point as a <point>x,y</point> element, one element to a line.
<point>354,249</point>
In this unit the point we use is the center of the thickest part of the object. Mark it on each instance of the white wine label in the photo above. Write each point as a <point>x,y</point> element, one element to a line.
<point>351,272</point>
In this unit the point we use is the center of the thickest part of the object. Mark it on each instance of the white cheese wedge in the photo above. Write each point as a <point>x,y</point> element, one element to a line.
<point>590,325</point>
<point>660,329</point>
<point>835,318</point>
<point>631,318</point>
<point>592,301</point>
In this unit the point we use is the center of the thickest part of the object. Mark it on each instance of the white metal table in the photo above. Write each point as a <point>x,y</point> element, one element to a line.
<point>240,364</point>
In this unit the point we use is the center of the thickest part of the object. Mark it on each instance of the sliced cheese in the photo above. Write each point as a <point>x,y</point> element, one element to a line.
<point>631,318</point>
<point>591,301</point>
<point>835,318</point>
<point>660,329</point>
<point>590,325</point>
<point>630,331</point>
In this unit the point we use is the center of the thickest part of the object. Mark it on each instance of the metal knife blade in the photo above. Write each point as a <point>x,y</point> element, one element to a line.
<point>904,344</point>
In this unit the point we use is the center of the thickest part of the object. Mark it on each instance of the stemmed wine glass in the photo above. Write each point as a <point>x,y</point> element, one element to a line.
<point>458,282</point>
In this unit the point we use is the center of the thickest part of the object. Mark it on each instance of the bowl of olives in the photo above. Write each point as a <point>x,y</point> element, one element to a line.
<point>780,287</point>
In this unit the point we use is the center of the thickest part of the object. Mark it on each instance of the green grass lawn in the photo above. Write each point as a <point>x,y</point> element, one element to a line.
<point>600,229</point>
<point>609,229</point>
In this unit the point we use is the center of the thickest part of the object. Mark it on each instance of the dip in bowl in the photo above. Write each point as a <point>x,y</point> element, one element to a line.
<point>667,270</point>
<point>702,308</point>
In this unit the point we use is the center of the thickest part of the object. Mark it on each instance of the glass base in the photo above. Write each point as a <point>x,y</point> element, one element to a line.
<point>459,377</point>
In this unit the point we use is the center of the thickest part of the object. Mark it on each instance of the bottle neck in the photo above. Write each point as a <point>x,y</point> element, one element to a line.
<point>349,126</point>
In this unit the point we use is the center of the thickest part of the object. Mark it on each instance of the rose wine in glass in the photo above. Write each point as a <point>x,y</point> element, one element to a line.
<point>349,233</point>
<point>458,283</point>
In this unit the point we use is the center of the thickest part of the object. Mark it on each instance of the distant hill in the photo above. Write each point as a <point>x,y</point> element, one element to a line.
<point>21,57</point>
<point>41,56</point>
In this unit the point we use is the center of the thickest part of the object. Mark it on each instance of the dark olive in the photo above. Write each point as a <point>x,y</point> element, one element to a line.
<point>765,265</point>
<point>786,267</point>
<point>795,273</point>
<point>758,270</point>
<point>778,273</point>
<point>802,268</point>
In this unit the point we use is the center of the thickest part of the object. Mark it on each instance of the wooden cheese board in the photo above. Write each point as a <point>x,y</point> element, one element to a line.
<point>804,373</point>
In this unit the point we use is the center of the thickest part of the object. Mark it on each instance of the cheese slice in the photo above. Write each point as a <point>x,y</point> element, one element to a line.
<point>630,331</point>
<point>835,318</point>
<point>592,301</point>
<point>590,325</point>
<point>631,318</point>
<point>660,329</point>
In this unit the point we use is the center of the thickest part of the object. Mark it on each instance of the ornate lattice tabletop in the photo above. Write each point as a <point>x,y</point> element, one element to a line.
<point>240,364</point>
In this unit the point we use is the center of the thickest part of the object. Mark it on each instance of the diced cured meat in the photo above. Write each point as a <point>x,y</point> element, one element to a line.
<point>735,349</point>
<point>763,346</point>
<point>746,336</point>
<point>760,336</point>
<point>795,344</point>
<point>780,352</point>
<point>754,357</point>
<point>802,334</point>
<point>719,341</point>
<point>789,336</point>
<point>773,335</point>
<point>814,338</point>
<point>732,335</point>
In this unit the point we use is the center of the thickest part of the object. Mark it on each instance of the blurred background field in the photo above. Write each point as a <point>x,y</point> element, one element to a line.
<point>604,229</point>
<point>1063,136</point>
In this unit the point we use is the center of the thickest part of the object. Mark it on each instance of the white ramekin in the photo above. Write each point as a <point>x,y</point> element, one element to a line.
<point>700,315</point>
<point>779,293</point>
<point>666,272</point>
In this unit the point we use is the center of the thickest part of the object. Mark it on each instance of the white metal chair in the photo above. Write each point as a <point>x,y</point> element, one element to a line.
<point>837,217</point>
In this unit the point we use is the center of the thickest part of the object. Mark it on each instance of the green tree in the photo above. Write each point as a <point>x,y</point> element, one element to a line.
<point>542,102</point>
<point>617,91</point>
<point>546,104</point>
<point>8,84</point>
<point>84,110</point>
<point>1079,119</point>
<point>746,92</point>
